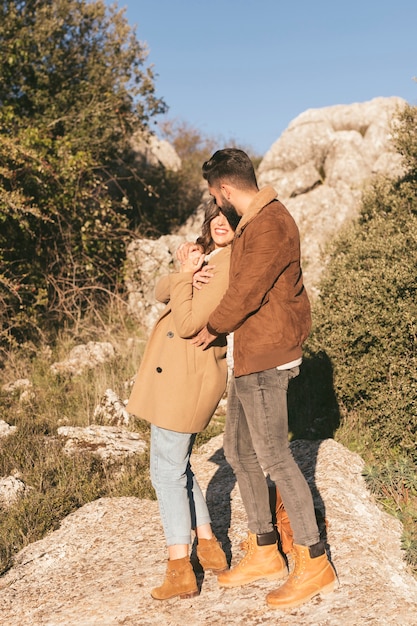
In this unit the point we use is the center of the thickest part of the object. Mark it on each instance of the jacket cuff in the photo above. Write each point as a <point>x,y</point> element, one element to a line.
<point>211,329</point>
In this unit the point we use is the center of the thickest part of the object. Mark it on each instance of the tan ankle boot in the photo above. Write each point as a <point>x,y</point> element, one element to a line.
<point>310,576</point>
<point>283,525</point>
<point>260,561</point>
<point>179,581</point>
<point>211,555</point>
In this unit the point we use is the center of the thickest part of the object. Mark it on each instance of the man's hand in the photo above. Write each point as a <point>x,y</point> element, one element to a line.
<point>203,276</point>
<point>203,339</point>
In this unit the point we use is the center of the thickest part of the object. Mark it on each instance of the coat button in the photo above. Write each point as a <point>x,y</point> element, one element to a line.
<point>170,334</point>
<point>159,370</point>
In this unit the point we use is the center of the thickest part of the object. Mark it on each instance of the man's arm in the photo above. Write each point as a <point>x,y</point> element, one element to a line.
<point>270,247</point>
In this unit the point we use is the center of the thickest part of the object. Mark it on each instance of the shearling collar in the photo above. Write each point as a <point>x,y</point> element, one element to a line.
<point>262,198</point>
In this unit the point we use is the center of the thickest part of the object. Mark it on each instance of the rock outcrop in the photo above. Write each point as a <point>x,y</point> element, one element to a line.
<point>148,260</point>
<point>320,165</point>
<point>106,442</point>
<point>22,388</point>
<point>84,356</point>
<point>111,410</point>
<point>6,429</point>
<point>98,568</point>
<point>155,152</point>
<point>11,489</point>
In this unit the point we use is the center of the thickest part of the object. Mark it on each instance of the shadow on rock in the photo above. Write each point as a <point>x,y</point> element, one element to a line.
<point>313,415</point>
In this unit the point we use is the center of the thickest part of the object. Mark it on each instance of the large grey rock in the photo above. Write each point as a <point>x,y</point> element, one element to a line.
<point>319,167</point>
<point>11,489</point>
<point>148,260</point>
<point>321,164</point>
<point>107,442</point>
<point>155,152</point>
<point>84,356</point>
<point>98,568</point>
<point>6,429</point>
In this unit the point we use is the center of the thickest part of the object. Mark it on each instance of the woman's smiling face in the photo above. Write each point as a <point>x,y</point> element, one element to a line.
<point>221,231</point>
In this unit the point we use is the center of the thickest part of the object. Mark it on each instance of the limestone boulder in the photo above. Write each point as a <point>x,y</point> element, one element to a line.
<point>84,356</point>
<point>146,261</point>
<point>11,489</point>
<point>321,164</point>
<point>6,429</point>
<point>107,442</point>
<point>22,388</point>
<point>99,567</point>
<point>155,152</point>
<point>111,410</point>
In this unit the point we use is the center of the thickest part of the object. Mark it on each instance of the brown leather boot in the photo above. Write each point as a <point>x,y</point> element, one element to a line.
<point>260,561</point>
<point>179,581</point>
<point>283,525</point>
<point>211,555</point>
<point>311,575</point>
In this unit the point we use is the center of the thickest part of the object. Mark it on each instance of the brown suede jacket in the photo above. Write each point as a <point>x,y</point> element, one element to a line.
<point>266,304</point>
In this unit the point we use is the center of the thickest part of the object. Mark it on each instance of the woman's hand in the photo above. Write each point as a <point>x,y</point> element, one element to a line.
<point>203,276</point>
<point>191,260</point>
<point>184,250</point>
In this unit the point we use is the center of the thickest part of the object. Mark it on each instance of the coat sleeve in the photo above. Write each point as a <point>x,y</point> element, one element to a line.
<point>191,307</point>
<point>162,289</point>
<point>269,247</point>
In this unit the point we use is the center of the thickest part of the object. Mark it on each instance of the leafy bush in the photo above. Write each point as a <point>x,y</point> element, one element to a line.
<point>365,323</point>
<point>74,89</point>
<point>366,315</point>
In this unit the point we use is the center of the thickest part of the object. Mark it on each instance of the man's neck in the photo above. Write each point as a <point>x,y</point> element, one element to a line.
<point>243,201</point>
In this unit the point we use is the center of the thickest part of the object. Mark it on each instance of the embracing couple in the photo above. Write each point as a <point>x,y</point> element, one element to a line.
<point>241,278</point>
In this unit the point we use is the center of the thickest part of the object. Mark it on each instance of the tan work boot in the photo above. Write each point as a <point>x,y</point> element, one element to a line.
<point>179,581</point>
<point>283,525</point>
<point>211,556</point>
<point>311,575</point>
<point>260,561</point>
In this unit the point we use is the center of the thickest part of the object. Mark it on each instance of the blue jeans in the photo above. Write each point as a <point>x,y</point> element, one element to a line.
<point>256,443</point>
<point>181,502</point>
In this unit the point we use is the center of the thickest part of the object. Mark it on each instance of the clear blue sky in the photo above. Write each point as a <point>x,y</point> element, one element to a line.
<point>244,69</point>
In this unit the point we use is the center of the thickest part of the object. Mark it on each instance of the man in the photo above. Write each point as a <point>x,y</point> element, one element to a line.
<point>267,308</point>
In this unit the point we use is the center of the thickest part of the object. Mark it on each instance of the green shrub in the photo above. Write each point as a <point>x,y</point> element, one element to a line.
<point>365,321</point>
<point>366,316</point>
<point>365,325</point>
<point>74,88</point>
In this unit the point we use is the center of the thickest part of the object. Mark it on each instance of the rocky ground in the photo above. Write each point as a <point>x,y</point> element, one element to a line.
<point>98,568</point>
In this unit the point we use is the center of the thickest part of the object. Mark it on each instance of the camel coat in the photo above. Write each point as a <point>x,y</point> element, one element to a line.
<point>178,386</point>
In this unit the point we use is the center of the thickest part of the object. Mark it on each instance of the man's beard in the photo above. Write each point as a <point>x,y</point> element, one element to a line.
<point>230,213</point>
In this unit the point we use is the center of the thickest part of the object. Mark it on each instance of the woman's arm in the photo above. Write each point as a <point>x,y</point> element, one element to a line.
<point>162,290</point>
<point>191,308</point>
<point>186,255</point>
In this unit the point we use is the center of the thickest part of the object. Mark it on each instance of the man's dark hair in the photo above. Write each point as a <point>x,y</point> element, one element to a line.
<point>230,165</point>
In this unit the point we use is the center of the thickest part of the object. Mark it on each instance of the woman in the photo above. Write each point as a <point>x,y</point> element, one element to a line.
<point>177,390</point>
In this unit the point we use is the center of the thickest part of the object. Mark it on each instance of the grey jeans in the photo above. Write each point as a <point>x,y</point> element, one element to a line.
<point>256,443</point>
